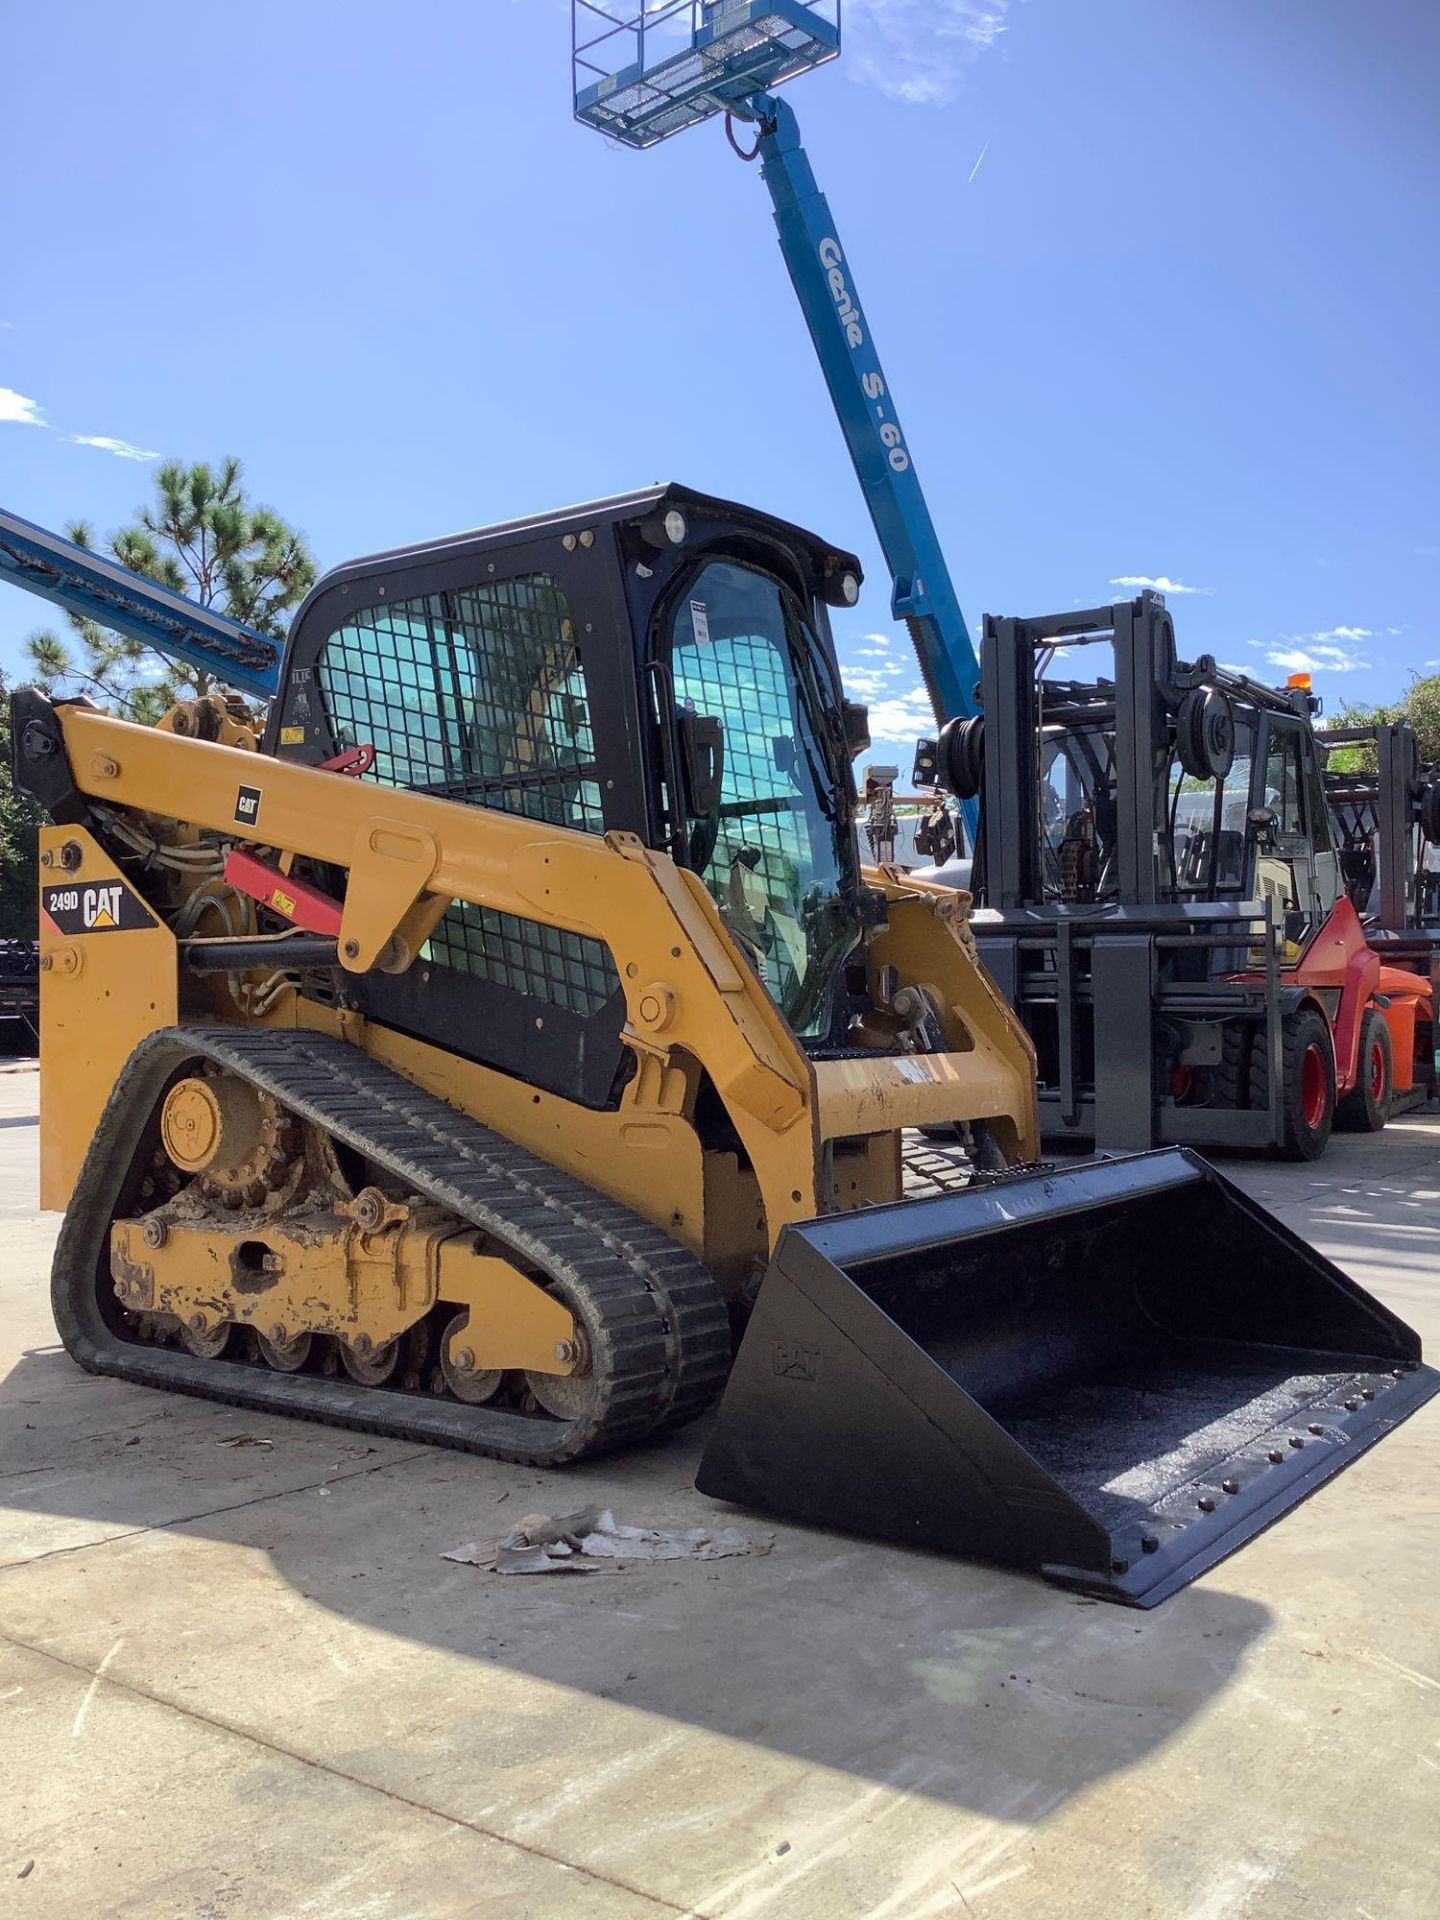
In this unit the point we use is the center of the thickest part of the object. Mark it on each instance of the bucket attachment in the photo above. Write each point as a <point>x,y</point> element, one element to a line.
<point>1112,1374</point>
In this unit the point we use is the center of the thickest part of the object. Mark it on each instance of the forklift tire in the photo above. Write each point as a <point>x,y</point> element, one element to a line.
<point>1307,1084</point>
<point>1366,1108</point>
<point>1232,1076</point>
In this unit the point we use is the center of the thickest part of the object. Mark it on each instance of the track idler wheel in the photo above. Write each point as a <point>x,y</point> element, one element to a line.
<point>467,1382</point>
<point>285,1353</point>
<point>205,1342</point>
<point>370,1366</point>
<point>566,1395</point>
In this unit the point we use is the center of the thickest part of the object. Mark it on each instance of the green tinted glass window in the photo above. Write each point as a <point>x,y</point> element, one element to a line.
<point>777,853</point>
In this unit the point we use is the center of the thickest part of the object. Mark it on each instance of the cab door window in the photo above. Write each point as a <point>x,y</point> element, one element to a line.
<point>776,850</point>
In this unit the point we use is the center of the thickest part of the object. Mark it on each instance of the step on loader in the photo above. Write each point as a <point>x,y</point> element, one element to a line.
<point>471,1051</point>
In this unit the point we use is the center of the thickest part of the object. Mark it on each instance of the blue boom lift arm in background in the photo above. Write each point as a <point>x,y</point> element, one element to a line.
<point>737,52</point>
<point>923,594</point>
<point>98,589</point>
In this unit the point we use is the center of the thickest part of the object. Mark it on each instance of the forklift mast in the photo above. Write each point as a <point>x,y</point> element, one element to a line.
<point>1164,835</point>
<point>1389,823</point>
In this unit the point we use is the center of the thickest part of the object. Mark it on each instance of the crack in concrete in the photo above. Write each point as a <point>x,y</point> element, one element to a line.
<point>209,1513</point>
<point>97,1677</point>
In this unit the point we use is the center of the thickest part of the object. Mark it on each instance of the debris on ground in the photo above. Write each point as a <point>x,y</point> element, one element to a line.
<point>592,1540</point>
<point>246,1440</point>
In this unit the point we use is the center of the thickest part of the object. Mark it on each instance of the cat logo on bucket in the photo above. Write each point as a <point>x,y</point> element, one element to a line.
<point>107,907</point>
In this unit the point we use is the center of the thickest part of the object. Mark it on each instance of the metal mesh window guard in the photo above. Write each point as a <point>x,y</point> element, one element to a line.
<point>527,956</point>
<point>477,694</point>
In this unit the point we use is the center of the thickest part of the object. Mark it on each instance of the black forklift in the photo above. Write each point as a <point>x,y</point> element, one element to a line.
<point>1209,942</point>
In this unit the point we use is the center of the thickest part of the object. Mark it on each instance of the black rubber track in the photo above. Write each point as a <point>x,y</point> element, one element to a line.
<point>656,1321</point>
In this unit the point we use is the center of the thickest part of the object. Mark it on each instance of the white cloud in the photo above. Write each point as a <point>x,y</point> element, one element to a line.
<point>1334,650</point>
<point>869,683</point>
<point>17,411</point>
<point>899,715</point>
<point>122,449</point>
<point>918,50</point>
<point>1162,583</point>
<point>902,719</point>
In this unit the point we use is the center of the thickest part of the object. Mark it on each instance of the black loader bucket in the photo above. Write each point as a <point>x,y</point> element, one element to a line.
<point>1112,1375</point>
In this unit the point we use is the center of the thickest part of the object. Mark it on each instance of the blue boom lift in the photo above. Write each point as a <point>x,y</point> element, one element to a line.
<point>95,588</point>
<point>644,73</point>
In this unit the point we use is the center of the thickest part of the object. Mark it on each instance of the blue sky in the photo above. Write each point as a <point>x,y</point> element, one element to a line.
<point>1179,324</point>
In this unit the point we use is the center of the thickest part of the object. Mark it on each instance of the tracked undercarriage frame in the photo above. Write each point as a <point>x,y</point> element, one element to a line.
<point>648,1329</point>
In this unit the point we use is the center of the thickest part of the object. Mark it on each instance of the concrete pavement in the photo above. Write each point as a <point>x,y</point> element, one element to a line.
<point>240,1681</point>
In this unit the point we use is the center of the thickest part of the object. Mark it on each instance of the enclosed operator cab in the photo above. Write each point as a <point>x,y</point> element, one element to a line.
<point>658,664</point>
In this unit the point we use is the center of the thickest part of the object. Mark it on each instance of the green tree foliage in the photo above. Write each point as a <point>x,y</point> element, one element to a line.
<point>20,819</point>
<point>203,537</point>
<point>1422,709</point>
<point>1420,706</point>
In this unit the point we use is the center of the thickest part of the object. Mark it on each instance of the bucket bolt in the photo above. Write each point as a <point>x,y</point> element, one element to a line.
<point>566,1352</point>
<point>1275,1456</point>
<point>279,1334</point>
<point>154,1232</point>
<point>1297,1440</point>
<point>1229,1486</point>
<point>465,1359</point>
<point>1316,1428</point>
<point>1206,1503</point>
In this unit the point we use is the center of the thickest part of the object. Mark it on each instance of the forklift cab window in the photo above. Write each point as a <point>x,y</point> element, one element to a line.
<point>1208,822</point>
<point>776,845</point>
<point>1302,871</point>
<point>1283,793</point>
<point>1077,807</point>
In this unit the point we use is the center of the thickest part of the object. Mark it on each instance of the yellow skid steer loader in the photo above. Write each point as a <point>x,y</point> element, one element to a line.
<point>473,1055</point>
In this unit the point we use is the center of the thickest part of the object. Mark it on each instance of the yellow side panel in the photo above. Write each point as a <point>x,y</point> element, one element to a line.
<point>649,1161</point>
<point>107,978</point>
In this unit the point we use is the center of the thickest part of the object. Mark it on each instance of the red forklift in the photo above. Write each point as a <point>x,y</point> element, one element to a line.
<point>1210,941</point>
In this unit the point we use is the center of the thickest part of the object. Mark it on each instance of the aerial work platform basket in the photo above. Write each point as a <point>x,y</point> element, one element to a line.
<point>642,72</point>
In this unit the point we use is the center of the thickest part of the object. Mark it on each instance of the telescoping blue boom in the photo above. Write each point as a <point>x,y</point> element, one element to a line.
<point>89,585</point>
<point>737,51</point>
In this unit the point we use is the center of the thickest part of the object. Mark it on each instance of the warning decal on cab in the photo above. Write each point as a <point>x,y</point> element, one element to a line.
<point>107,907</point>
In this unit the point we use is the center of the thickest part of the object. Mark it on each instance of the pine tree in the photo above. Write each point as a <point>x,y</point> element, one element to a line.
<point>201,537</point>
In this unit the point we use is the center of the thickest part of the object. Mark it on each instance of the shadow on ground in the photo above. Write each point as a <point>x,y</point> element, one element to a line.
<point>977,1687</point>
